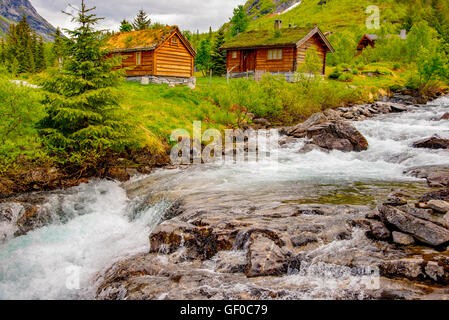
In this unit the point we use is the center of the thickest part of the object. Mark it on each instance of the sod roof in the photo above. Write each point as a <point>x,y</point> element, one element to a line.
<point>269,38</point>
<point>141,40</point>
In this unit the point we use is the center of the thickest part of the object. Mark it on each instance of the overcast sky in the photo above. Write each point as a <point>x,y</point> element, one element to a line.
<point>187,14</point>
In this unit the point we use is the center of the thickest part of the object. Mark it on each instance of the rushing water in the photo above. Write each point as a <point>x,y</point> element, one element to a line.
<point>105,225</point>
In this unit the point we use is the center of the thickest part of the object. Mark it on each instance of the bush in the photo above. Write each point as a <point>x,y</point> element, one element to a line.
<point>346,77</point>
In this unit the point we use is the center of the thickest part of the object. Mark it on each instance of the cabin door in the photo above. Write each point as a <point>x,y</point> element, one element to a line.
<point>249,60</point>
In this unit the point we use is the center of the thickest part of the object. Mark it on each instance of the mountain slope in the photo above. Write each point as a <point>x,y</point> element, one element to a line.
<point>327,14</point>
<point>11,11</point>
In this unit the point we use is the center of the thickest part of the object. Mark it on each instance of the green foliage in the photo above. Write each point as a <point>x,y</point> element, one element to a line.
<point>432,64</point>
<point>142,21</point>
<point>218,56</point>
<point>125,26</point>
<point>82,102</point>
<point>203,59</point>
<point>345,45</point>
<point>20,109</point>
<point>23,51</point>
<point>240,21</point>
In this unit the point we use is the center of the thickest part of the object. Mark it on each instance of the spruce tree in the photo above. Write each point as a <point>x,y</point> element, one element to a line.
<point>58,48</point>
<point>203,58</point>
<point>40,58</point>
<point>83,117</point>
<point>125,26</point>
<point>218,56</point>
<point>239,21</point>
<point>142,21</point>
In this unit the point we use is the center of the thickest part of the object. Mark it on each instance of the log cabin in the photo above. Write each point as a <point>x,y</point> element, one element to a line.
<point>159,55</point>
<point>367,40</point>
<point>281,50</point>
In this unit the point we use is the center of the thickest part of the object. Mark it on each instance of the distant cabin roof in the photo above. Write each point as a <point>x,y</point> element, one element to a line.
<point>271,38</point>
<point>143,40</point>
<point>371,37</point>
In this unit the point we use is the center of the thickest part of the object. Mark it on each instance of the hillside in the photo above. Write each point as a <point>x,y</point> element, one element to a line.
<point>329,15</point>
<point>12,11</point>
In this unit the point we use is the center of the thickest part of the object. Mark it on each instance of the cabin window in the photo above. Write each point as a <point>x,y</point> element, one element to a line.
<point>138,58</point>
<point>234,54</point>
<point>174,41</point>
<point>275,54</point>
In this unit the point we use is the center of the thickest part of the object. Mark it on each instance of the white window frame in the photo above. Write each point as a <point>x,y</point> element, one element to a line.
<point>138,58</point>
<point>234,54</point>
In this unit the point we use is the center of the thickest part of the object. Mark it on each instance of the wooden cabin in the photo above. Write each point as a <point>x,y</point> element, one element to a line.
<point>281,50</point>
<point>367,40</point>
<point>158,52</point>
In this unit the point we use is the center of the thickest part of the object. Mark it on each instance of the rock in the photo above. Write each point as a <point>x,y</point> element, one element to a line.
<point>396,107</point>
<point>425,214</point>
<point>432,143</point>
<point>304,239</point>
<point>337,135</point>
<point>445,116</point>
<point>332,114</point>
<point>309,147</point>
<point>409,268</point>
<point>287,140</point>
<point>424,231</point>
<point>395,201</point>
<point>265,257</point>
<point>402,238</point>
<point>300,130</point>
<point>261,122</point>
<point>383,107</point>
<point>434,271</point>
<point>446,221</point>
<point>437,176</point>
<point>442,194</point>
<point>120,174</point>
<point>439,206</point>
<point>378,231</point>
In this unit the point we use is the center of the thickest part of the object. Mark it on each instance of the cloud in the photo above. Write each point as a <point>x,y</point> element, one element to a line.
<point>187,14</point>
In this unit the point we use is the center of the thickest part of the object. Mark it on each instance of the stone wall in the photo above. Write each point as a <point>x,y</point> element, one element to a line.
<point>171,81</point>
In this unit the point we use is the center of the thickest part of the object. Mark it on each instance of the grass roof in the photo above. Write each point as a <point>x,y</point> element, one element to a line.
<point>261,38</point>
<point>145,39</point>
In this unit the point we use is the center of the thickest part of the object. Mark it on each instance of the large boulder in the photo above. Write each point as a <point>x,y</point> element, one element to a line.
<point>422,230</point>
<point>434,142</point>
<point>437,176</point>
<point>439,206</point>
<point>337,135</point>
<point>300,130</point>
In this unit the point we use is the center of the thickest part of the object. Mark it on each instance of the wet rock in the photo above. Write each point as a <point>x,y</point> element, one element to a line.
<point>379,231</point>
<point>396,107</point>
<point>402,238</point>
<point>119,174</point>
<point>265,257</point>
<point>434,271</point>
<point>442,194</point>
<point>439,206</point>
<point>261,122</point>
<point>300,130</point>
<point>412,269</point>
<point>445,116</point>
<point>287,140</point>
<point>332,114</point>
<point>304,239</point>
<point>231,261</point>
<point>432,143</point>
<point>383,107</point>
<point>309,147</point>
<point>395,201</point>
<point>337,135</point>
<point>446,221</point>
<point>425,214</point>
<point>436,176</point>
<point>424,231</point>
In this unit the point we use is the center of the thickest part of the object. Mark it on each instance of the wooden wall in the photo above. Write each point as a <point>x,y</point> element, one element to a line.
<point>315,43</point>
<point>284,65</point>
<point>173,60</point>
<point>129,61</point>
<point>237,63</point>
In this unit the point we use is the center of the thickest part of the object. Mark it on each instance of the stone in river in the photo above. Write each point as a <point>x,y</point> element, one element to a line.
<point>439,206</point>
<point>402,238</point>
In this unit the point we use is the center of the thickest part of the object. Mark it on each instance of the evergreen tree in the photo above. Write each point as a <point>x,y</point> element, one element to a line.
<point>218,56</point>
<point>58,48</point>
<point>40,59</point>
<point>240,21</point>
<point>203,58</point>
<point>142,21</point>
<point>125,26</point>
<point>83,117</point>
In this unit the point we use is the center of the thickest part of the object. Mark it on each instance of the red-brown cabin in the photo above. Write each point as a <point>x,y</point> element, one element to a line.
<point>281,50</point>
<point>367,40</point>
<point>158,52</point>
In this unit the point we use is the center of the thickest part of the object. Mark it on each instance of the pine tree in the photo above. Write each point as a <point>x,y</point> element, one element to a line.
<point>142,21</point>
<point>218,56</point>
<point>125,26</point>
<point>239,21</point>
<point>83,117</point>
<point>58,48</point>
<point>40,58</point>
<point>203,58</point>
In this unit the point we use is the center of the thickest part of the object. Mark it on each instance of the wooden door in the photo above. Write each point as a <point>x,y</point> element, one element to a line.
<point>249,60</point>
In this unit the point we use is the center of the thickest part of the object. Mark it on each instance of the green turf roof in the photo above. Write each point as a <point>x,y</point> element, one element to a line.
<point>285,36</point>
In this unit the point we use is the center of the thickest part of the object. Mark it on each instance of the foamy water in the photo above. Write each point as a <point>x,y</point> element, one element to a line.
<point>103,225</point>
